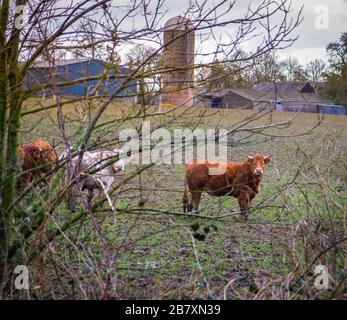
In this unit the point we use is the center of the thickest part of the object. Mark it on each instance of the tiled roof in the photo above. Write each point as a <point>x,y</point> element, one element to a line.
<point>281,86</point>
<point>264,96</point>
<point>45,64</point>
<point>267,96</point>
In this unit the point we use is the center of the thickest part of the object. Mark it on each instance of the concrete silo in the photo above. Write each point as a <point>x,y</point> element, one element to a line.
<point>177,85</point>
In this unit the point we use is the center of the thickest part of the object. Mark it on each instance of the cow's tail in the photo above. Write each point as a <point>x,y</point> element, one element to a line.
<point>187,199</point>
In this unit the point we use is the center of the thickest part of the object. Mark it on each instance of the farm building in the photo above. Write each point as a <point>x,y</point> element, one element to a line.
<point>100,82</point>
<point>286,86</point>
<point>280,101</point>
<point>332,109</point>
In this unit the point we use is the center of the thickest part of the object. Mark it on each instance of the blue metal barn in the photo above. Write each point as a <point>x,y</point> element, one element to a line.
<point>69,70</point>
<point>332,109</point>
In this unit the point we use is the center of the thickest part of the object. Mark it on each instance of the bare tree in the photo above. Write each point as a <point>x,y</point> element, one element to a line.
<point>315,70</point>
<point>222,75</point>
<point>266,69</point>
<point>104,30</point>
<point>336,74</point>
<point>149,86</point>
<point>292,69</point>
<point>337,51</point>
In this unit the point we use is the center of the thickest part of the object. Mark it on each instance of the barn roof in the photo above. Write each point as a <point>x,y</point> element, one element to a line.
<point>281,86</point>
<point>265,96</point>
<point>40,64</point>
<point>65,62</point>
<point>254,95</point>
<point>211,92</point>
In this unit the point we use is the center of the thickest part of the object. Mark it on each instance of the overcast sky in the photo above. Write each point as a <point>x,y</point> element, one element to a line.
<point>324,21</point>
<point>312,41</point>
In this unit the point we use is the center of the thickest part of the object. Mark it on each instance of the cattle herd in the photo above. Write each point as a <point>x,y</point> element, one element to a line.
<point>96,170</point>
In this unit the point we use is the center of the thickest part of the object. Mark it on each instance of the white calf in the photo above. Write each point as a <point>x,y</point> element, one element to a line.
<point>103,178</point>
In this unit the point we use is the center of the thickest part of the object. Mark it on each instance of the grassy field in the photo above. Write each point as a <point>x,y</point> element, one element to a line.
<point>299,214</point>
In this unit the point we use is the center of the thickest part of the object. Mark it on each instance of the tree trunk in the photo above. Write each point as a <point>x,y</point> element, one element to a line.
<point>4,243</point>
<point>15,104</point>
<point>10,165</point>
<point>3,83</point>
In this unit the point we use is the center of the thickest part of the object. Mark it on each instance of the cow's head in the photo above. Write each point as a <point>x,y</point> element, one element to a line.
<point>258,162</point>
<point>119,165</point>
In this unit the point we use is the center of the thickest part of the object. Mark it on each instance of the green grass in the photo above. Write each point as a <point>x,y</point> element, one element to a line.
<point>153,254</point>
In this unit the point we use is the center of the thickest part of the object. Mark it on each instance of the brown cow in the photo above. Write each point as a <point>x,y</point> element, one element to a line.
<point>240,180</point>
<point>36,160</point>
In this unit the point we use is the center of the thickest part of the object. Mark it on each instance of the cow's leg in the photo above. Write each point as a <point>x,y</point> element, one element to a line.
<point>90,196</point>
<point>196,196</point>
<point>187,202</point>
<point>71,198</point>
<point>71,202</point>
<point>244,200</point>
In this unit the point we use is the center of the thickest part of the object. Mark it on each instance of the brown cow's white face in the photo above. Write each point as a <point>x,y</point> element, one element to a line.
<point>258,162</point>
